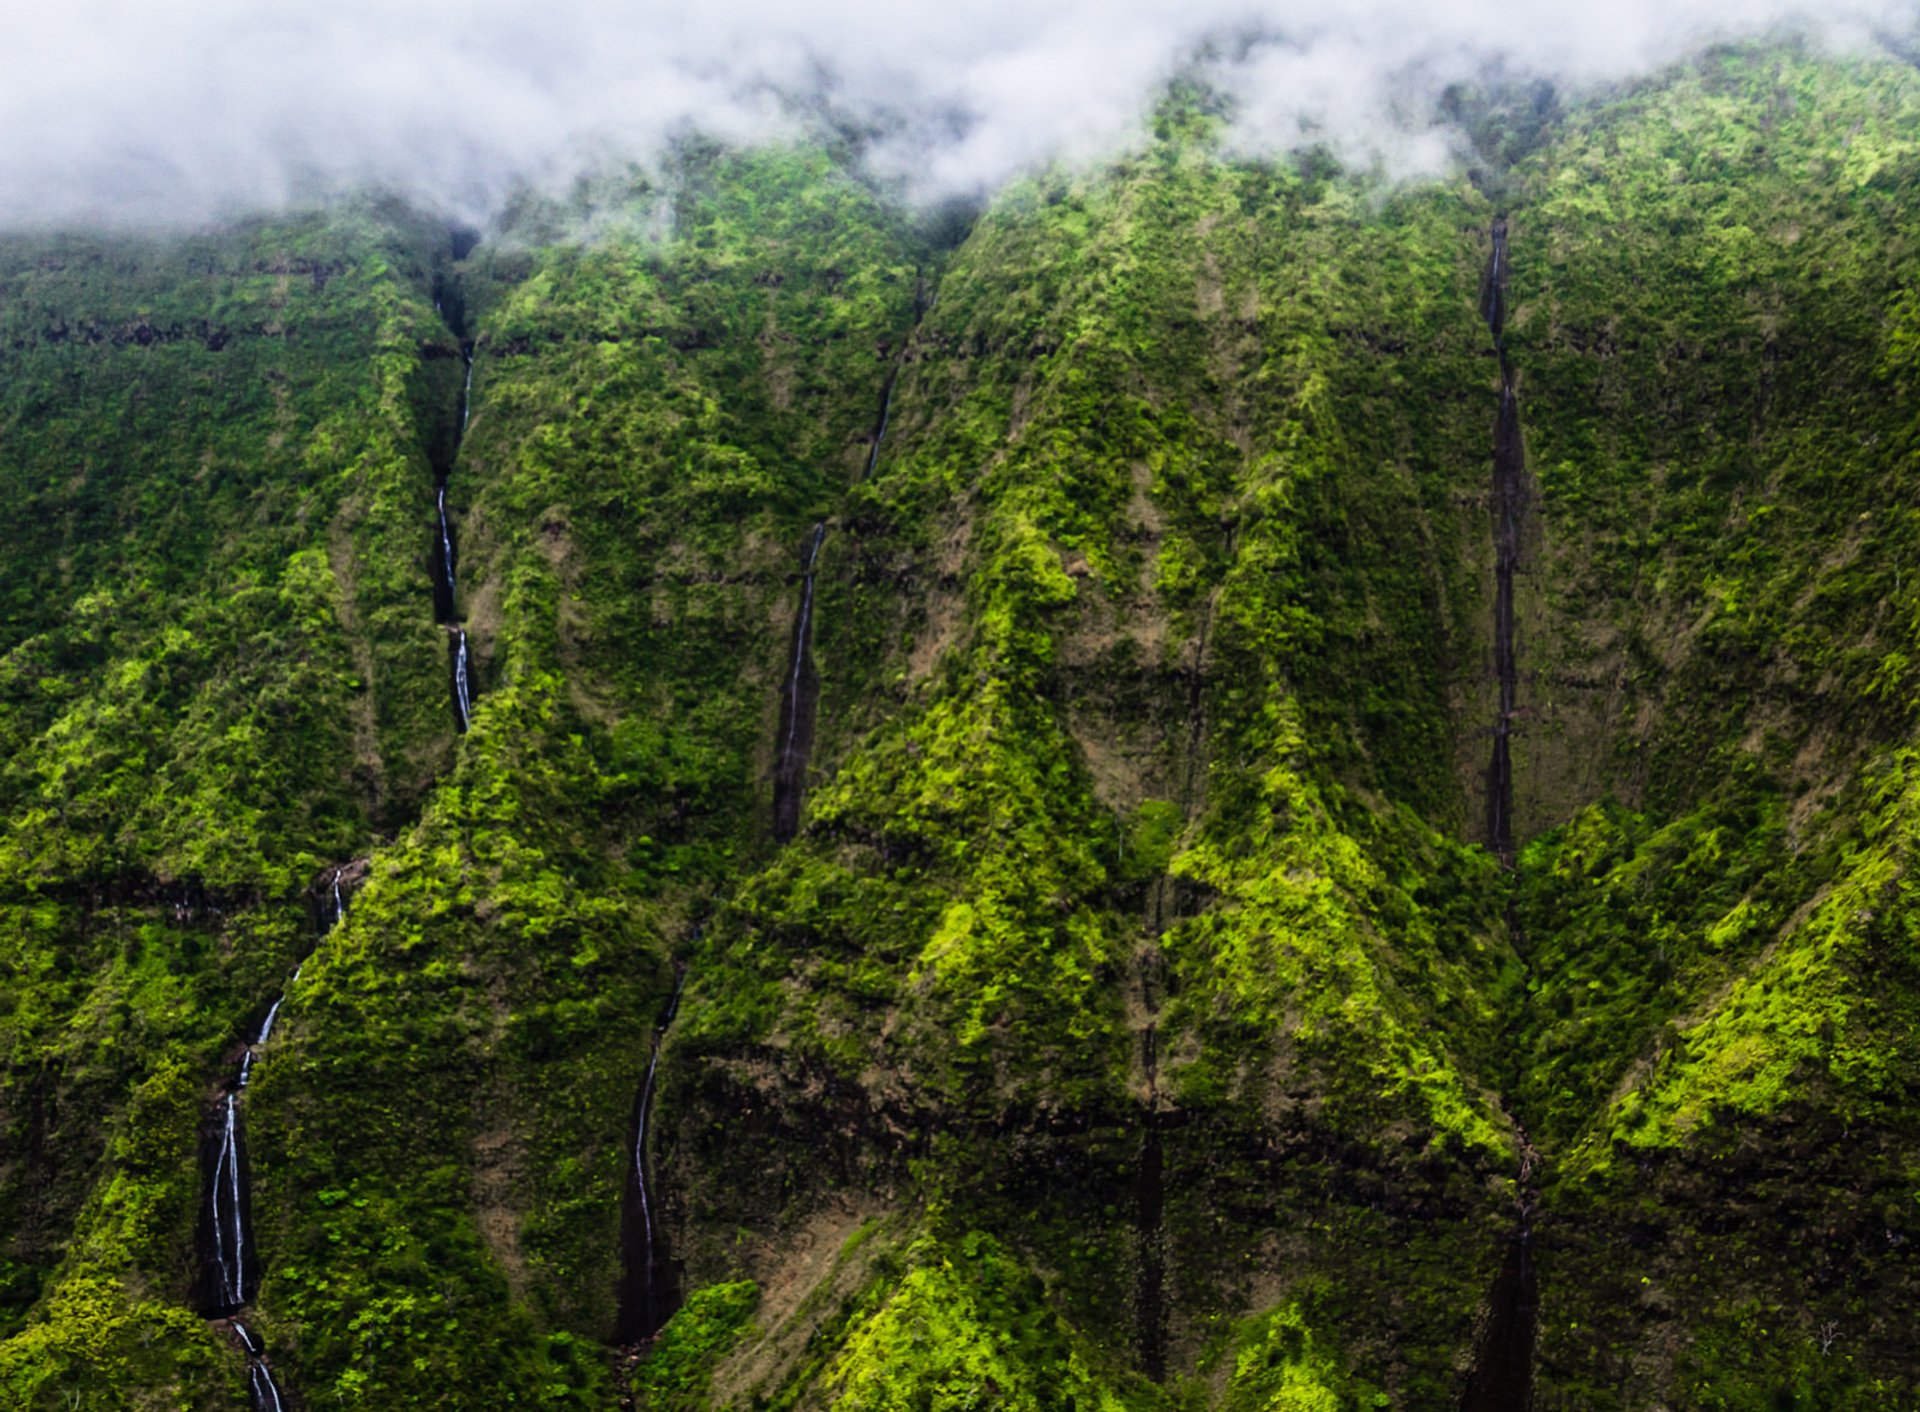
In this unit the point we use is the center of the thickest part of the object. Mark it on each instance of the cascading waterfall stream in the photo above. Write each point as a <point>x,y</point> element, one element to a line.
<point>647,1290</point>
<point>451,306</point>
<point>799,700</point>
<point>261,1388</point>
<point>229,1264</point>
<point>1502,1376</point>
<point>229,1210</point>
<point>462,687</point>
<point>445,584</point>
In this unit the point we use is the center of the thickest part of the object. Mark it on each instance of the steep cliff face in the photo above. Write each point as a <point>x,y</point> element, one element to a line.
<point>1119,999</point>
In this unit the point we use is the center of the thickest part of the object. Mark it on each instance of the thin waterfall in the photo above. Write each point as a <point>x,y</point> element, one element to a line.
<point>445,593</point>
<point>798,703</point>
<point>647,1289</point>
<point>229,1212</point>
<point>466,388</point>
<point>229,1264</point>
<point>450,303</point>
<point>445,590</point>
<point>880,431</point>
<point>462,684</point>
<point>261,1388</point>
<point>262,1391</point>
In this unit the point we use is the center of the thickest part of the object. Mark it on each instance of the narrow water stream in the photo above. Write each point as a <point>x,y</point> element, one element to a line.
<point>880,429</point>
<point>229,1266</point>
<point>450,303</point>
<point>462,681</point>
<point>798,702</point>
<point>649,1288</point>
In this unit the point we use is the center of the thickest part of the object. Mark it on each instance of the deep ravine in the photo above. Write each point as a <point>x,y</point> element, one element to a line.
<point>1502,1375</point>
<point>229,1264</point>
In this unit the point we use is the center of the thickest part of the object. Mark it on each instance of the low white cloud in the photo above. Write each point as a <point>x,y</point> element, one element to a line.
<point>170,111</point>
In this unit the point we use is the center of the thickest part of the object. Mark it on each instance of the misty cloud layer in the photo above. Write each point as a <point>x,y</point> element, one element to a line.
<point>169,111</point>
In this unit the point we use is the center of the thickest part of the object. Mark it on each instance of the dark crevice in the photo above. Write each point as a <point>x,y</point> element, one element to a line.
<point>1502,1377</point>
<point>1150,1300</point>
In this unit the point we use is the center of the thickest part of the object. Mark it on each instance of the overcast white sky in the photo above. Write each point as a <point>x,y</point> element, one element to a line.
<point>178,110</point>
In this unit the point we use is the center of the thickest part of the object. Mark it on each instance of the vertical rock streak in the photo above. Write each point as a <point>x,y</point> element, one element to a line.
<point>1502,1376</point>
<point>798,703</point>
<point>1509,500</point>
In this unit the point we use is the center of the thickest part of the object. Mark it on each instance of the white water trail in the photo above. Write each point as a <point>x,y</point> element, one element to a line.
<point>273,1013</point>
<point>462,695</point>
<point>640,1138</point>
<point>260,1384</point>
<point>446,545</point>
<point>229,1239</point>
<point>466,391</point>
<point>640,1174</point>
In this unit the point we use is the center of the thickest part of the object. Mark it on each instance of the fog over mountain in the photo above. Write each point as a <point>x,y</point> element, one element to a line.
<point>124,112</point>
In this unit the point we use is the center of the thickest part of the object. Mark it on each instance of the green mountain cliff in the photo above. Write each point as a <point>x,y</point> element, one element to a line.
<point>1141,1013</point>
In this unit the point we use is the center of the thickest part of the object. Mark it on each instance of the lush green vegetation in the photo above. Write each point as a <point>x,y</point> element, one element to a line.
<point>1136,1021</point>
